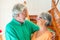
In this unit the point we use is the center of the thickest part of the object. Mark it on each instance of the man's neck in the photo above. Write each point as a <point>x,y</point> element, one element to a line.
<point>19,20</point>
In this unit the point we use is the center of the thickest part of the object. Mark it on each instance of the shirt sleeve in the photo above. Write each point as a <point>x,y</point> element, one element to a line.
<point>34,27</point>
<point>10,34</point>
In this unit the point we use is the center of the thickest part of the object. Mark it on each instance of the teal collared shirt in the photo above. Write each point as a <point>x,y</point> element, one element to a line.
<point>20,31</point>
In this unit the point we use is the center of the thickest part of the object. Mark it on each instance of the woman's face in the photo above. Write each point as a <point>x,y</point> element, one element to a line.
<point>41,21</point>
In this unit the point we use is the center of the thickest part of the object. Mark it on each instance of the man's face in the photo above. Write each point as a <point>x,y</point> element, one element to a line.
<point>23,15</point>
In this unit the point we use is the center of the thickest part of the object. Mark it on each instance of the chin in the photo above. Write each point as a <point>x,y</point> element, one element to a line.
<point>21,21</point>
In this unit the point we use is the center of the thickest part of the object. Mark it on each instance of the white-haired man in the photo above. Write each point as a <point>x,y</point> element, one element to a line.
<point>19,28</point>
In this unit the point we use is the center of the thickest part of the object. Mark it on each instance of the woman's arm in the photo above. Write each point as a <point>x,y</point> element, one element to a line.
<point>33,37</point>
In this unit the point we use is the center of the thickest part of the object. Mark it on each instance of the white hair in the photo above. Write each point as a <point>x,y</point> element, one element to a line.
<point>46,16</point>
<point>18,8</point>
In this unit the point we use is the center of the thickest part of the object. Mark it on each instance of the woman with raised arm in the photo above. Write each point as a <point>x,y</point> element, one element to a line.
<point>44,20</point>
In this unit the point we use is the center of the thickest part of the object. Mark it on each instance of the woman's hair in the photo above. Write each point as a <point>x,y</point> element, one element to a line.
<point>46,16</point>
<point>18,8</point>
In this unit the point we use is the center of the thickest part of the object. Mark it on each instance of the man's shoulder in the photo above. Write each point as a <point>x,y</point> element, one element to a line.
<point>28,21</point>
<point>9,24</point>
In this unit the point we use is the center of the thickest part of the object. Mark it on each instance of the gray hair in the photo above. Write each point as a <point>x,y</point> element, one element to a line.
<point>18,8</point>
<point>46,16</point>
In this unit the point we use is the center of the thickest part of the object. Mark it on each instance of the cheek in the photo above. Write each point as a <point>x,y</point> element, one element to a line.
<point>21,16</point>
<point>39,22</point>
<point>25,15</point>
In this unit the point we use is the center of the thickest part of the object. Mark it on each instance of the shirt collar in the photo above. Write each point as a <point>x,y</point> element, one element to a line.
<point>17,22</point>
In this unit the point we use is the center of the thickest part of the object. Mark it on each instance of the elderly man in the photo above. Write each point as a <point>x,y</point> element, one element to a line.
<point>19,28</point>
